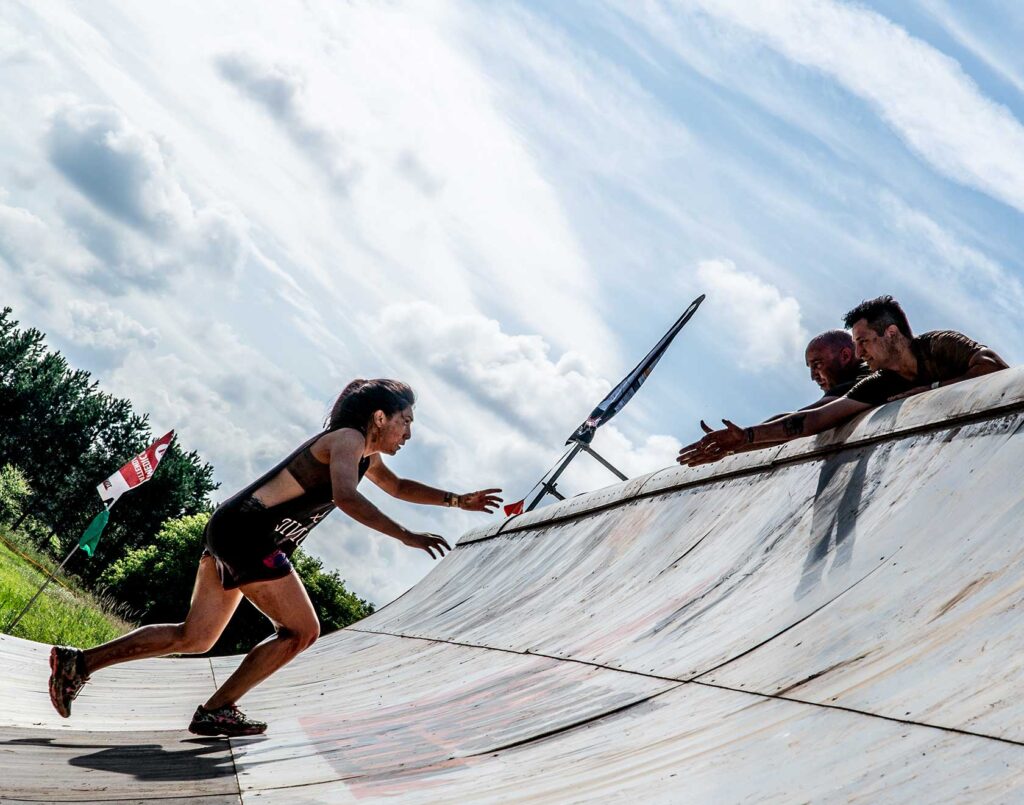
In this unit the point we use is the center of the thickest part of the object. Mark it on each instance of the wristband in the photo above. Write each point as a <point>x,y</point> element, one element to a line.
<point>451,500</point>
<point>936,384</point>
<point>750,435</point>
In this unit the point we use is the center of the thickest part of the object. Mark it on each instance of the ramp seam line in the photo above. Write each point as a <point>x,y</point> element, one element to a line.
<point>517,653</point>
<point>576,725</point>
<point>796,623</point>
<point>696,681</point>
<point>855,711</point>
<point>231,746</point>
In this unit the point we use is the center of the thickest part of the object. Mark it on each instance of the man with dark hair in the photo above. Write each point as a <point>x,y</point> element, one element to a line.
<point>901,365</point>
<point>904,365</point>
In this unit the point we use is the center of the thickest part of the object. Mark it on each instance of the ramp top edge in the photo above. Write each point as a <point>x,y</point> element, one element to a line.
<point>981,398</point>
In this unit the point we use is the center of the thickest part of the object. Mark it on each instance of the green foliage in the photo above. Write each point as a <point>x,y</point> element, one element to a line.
<point>59,615</point>
<point>14,489</point>
<point>156,582</point>
<point>336,606</point>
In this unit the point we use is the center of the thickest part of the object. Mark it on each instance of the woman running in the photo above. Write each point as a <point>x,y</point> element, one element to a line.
<point>250,538</point>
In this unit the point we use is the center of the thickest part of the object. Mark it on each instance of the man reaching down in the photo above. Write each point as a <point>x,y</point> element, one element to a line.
<point>901,365</point>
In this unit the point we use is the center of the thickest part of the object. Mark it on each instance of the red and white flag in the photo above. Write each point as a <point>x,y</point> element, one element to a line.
<point>136,472</point>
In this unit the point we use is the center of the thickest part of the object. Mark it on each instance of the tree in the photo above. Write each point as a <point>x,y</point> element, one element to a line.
<point>66,435</point>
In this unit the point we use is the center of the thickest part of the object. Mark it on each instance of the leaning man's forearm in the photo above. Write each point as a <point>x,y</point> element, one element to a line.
<point>788,427</point>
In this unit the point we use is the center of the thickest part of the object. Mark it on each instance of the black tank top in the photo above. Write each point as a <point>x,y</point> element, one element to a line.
<point>292,520</point>
<point>310,472</point>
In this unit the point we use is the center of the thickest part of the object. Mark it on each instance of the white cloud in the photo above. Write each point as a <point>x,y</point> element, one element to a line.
<point>921,92</point>
<point>760,324</point>
<point>31,246</point>
<point>117,166</point>
<point>124,171</point>
<point>240,410</point>
<point>448,194</point>
<point>500,406</point>
<point>101,327</point>
<point>970,288</point>
<point>281,90</point>
<point>513,377</point>
<point>958,21</point>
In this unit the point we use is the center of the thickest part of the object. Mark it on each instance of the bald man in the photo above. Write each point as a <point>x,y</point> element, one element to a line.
<point>834,366</point>
<point>832,360</point>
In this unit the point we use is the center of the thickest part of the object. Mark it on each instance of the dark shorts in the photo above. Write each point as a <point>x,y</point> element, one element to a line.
<point>241,539</point>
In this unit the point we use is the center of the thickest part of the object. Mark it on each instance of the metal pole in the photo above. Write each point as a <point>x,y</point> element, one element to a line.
<point>549,484</point>
<point>600,458</point>
<point>40,591</point>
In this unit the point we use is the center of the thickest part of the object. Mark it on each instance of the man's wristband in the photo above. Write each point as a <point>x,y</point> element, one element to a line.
<point>452,501</point>
<point>749,432</point>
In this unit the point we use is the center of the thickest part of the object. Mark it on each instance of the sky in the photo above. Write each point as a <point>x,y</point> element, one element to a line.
<point>226,211</point>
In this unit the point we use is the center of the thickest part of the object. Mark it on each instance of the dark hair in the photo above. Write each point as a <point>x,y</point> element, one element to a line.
<point>879,313</point>
<point>361,398</point>
<point>835,340</point>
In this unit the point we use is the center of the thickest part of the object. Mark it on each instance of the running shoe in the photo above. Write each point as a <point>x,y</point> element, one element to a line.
<point>227,720</point>
<point>67,677</point>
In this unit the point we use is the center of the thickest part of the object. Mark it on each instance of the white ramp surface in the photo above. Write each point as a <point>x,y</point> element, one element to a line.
<point>837,619</point>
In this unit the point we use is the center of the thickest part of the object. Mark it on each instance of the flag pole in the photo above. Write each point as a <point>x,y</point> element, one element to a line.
<point>39,592</point>
<point>548,487</point>
<point>614,402</point>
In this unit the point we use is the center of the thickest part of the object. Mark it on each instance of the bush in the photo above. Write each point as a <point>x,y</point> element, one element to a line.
<point>14,491</point>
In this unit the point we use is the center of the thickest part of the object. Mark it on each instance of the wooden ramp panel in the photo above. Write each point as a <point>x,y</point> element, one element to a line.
<point>837,619</point>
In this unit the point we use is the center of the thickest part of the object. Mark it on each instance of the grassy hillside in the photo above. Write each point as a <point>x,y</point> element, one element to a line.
<point>62,614</point>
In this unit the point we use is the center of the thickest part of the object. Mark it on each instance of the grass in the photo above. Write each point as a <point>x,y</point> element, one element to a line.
<point>61,615</point>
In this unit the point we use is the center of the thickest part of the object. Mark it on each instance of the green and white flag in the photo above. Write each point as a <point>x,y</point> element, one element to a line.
<point>135,473</point>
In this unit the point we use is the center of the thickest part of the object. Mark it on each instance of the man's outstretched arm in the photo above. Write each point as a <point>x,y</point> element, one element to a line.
<point>733,438</point>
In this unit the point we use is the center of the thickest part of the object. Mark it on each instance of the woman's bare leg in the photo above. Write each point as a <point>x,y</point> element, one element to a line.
<point>211,609</point>
<point>287,604</point>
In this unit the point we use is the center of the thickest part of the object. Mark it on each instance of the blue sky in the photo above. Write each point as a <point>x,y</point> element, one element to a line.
<point>226,211</point>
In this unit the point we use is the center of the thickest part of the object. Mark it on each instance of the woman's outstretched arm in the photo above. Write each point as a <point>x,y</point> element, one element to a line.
<point>485,500</point>
<point>346,450</point>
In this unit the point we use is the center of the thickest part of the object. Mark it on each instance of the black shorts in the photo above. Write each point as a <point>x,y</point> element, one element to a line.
<point>240,537</point>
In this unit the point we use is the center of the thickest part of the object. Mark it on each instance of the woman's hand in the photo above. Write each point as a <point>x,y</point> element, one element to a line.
<point>426,542</point>
<point>486,500</point>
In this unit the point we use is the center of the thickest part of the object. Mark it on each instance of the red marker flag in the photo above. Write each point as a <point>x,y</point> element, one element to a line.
<point>514,508</point>
<point>136,472</point>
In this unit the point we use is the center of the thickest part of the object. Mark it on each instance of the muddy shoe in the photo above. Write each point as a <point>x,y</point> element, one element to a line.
<point>227,720</point>
<point>67,677</point>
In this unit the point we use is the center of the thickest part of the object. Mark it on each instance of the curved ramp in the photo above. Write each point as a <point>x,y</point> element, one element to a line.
<point>836,619</point>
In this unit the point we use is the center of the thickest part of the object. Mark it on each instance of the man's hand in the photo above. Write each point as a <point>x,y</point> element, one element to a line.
<point>715,445</point>
<point>910,393</point>
<point>486,500</point>
<point>426,542</point>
